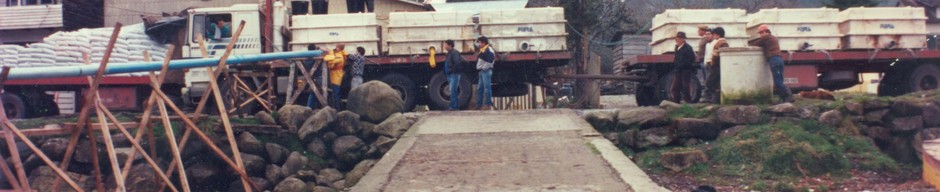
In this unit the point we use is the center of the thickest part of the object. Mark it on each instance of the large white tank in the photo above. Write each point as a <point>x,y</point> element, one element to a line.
<point>884,27</point>
<point>530,29</point>
<point>745,77</point>
<point>411,33</point>
<point>800,29</point>
<point>667,24</point>
<point>325,31</point>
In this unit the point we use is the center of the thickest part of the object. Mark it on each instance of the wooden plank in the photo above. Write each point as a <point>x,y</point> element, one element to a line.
<point>109,148</point>
<point>67,128</point>
<point>12,179</point>
<point>39,153</point>
<point>174,148</point>
<point>84,113</point>
<point>14,153</point>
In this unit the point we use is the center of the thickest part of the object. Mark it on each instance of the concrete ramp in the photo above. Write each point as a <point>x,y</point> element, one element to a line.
<point>543,150</point>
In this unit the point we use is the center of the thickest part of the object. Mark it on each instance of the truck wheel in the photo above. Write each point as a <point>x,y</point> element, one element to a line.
<point>405,86</point>
<point>644,96</point>
<point>13,106</point>
<point>924,77</point>
<point>662,89</point>
<point>439,92</point>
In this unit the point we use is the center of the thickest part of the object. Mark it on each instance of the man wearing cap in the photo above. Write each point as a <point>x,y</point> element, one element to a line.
<point>683,66</point>
<point>771,46</point>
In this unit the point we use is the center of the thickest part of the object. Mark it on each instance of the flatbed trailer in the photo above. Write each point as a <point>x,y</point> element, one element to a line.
<point>904,71</point>
<point>30,98</point>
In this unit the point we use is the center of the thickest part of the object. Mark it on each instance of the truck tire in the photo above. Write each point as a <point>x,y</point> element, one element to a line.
<point>663,86</point>
<point>405,86</point>
<point>439,92</point>
<point>644,96</point>
<point>13,105</point>
<point>924,77</point>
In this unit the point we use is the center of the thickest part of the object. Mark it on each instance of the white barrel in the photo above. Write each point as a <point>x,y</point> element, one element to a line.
<point>745,77</point>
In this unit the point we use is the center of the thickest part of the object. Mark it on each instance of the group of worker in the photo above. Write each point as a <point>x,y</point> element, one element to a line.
<point>708,57</point>
<point>337,58</point>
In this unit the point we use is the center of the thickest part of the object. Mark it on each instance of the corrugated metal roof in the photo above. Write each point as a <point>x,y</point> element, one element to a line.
<point>30,17</point>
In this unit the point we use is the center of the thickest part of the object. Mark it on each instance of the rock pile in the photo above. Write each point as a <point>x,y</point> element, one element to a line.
<point>324,150</point>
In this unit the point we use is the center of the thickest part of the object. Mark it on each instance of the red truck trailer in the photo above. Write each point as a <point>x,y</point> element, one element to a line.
<point>903,71</point>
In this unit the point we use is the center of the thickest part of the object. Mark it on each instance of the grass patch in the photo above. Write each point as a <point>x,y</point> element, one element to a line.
<point>688,111</point>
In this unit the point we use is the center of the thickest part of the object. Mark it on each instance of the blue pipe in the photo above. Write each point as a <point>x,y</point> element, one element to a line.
<point>89,70</point>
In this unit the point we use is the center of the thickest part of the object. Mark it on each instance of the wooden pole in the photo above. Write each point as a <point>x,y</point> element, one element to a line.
<point>136,145</point>
<point>148,109</point>
<point>171,138</point>
<point>213,84</point>
<point>84,112</point>
<point>220,67</point>
<point>313,85</point>
<point>12,179</point>
<point>109,146</point>
<point>11,145</point>
<point>39,153</point>
<point>202,136</point>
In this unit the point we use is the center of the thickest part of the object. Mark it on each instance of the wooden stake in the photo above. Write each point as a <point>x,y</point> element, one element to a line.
<point>313,85</point>
<point>228,128</point>
<point>11,145</point>
<point>136,145</point>
<point>109,146</point>
<point>174,149</point>
<point>13,180</point>
<point>40,154</point>
<point>88,102</point>
<point>148,109</point>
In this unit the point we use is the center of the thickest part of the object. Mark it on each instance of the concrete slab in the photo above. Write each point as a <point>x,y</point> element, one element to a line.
<point>543,150</point>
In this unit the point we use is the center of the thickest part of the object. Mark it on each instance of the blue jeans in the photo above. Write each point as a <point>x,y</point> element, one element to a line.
<point>454,82</point>
<point>484,88</point>
<point>335,100</point>
<point>776,69</point>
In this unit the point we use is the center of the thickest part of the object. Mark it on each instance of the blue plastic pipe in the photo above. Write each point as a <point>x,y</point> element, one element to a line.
<point>89,70</point>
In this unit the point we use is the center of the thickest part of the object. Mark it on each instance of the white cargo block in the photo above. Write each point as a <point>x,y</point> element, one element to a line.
<point>667,24</point>
<point>797,28</point>
<point>884,27</point>
<point>519,30</point>
<point>354,30</point>
<point>413,32</point>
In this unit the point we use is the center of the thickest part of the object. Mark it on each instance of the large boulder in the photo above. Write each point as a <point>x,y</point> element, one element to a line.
<point>876,116</point>
<point>384,143</point>
<point>347,123</point>
<point>907,123</point>
<point>42,178</point>
<point>349,149</point>
<point>697,128</point>
<point>358,172</point>
<point>54,148</point>
<point>871,104</point>
<point>328,176</point>
<point>878,133</point>
<point>125,152</point>
<point>905,108</point>
<point>265,118</point>
<point>680,160</point>
<point>655,137</point>
<point>731,132</point>
<point>254,165</point>
<point>367,130</point>
<point>669,105</point>
<point>273,173</point>
<point>291,185</point>
<point>204,173</point>
<point>294,163</point>
<point>276,153</point>
<point>293,116</point>
<point>643,117</point>
<point>739,115</point>
<point>783,109</point>
<point>601,120</point>
<point>84,152</point>
<point>931,113</point>
<point>323,189</point>
<point>901,149</point>
<point>317,123</point>
<point>318,148</point>
<point>832,118</point>
<point>855,108</point>
<point>395,126</point>
<point>237,186</point>
<point>247,143</point>
<point>140,178</point>
<point>374,101</point>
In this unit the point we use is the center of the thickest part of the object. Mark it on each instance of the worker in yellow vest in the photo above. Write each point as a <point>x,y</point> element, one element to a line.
<point>336,60</point>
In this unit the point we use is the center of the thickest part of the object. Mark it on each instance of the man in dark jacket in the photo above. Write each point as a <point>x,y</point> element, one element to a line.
<point>486,57</point>
<point>452,67</point>
<point>713,80</point>
<point>683,66</point>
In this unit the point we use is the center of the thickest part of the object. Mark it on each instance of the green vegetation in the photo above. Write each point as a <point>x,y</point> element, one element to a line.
<point>755,97</point>
<point>689,111</point>
<point>782,151</point>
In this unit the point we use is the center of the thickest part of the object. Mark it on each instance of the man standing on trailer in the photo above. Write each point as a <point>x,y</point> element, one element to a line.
<point>486,58</point>
<point>336,61</point>
<point>358,65</point>
<point>771,46</point>
<point>452,67</point>
<point>683,67</point>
